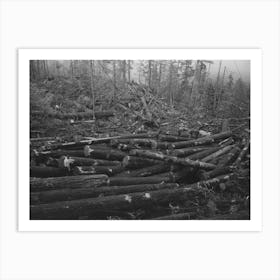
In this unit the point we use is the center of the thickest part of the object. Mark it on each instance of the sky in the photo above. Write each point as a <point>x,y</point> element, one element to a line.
<point>236,67</point>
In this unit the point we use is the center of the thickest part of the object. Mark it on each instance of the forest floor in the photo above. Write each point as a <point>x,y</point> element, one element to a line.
<point>219,190</point>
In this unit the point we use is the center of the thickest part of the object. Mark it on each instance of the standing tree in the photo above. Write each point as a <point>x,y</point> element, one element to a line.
<point>91,74</point>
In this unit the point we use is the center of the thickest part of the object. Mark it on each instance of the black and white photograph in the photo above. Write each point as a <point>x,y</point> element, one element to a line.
<point>139,139</point>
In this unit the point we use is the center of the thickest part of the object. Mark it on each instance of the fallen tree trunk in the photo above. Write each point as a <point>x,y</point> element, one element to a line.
<point>73,209</point>
<point>82,161</point>
<point>41,157</point>
<point>72,194</point>
<point>230,157</point>
<point>126,181</point>
<point>218,171</point>
<point>134,142</point>
<point>146,171</point>
<point>172,138</point>
<point>179,216</point>
<point>201,141</point>
<point>88,170</point>
<point>133,162</point>
<point>44,184</point>
<point>187,151</point>
<point>203,153</point>
<point>44,172</point>
<point>175,160</point>
<point>109,154</point>
<point>216,154</point>
<point>242,154</point>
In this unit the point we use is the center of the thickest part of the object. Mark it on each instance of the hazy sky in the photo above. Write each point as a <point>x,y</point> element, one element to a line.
<point>236,67</point>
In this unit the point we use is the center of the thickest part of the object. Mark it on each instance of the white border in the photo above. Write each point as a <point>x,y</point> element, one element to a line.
<point>254,55</point>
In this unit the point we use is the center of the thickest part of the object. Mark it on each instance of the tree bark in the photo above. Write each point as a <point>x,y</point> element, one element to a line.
<point>108,154</point>
<point>216,154</point>
<point>132,162</point>
<point>242,154</point>
<point>82,161</point>
<point>73,209</point>
<point>147,171</point>
<point>187,151</point>
<point>89,170</point>
<point>201,141</point>
<point>72,194</point>
<point>175,160</point>
<point>91,181</point>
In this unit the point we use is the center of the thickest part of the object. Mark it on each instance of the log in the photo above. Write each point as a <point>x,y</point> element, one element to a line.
<point>179,216</point>
<point>73,209</point>
<point>160,145</point>
<point>146,142</point>
<point>146,171</point>
<point>42,139</point>
<point>230,157</point>
<point>65,161</point>
<point>172,138</point>
<point>201,141</point>
<point>242,154</point>
<point>88,170</point>
<point>203,153</point>
<point>218,171</point>
<point>44,172</point>
<point>175,160</point>
<point>132,162</point>
<point>42,157</point>
<point>216,154</point>
<point>72,194</point>
<point>126,181</point>
<point>109,154</point>
<point>187,151</point>
<point>44,184</point>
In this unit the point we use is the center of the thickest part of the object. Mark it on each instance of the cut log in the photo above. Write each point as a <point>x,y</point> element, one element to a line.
<point>203,153</point>
<point>72,194</point>
<point>88,170</point>
<point>187,151</point>
<point>242,154</point>
<point>179,216</point>
<point>134,142</point>
<point>42,157</point>
<point>83,161</point>
<point>42,139</point>
<point>44,184</point>
<point>146,171</point>
<point>132,162</point>
<point>230,157</point>
<point>218,171</point>
<point>172,138</point>
<point>216,154</point>
<point>175,160</point>
<point>160,145</point>
<point>45,172</point>
<point>73,209</point>
<point>109,154</point>
<point>201,141</point>
<point>126,181</point>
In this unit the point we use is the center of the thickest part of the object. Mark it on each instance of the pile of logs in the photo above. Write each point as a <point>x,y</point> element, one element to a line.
<point>141,176</point>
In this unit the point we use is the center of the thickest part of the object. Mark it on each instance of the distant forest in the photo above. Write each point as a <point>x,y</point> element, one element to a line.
<point>188,85</point>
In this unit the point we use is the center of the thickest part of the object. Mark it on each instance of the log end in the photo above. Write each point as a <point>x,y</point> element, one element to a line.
<point>87,151</point>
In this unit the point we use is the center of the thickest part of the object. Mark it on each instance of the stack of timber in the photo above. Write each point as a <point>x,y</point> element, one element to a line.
<point>154,175</point>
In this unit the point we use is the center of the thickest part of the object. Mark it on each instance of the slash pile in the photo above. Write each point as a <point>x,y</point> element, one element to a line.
<point>152,175</point>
